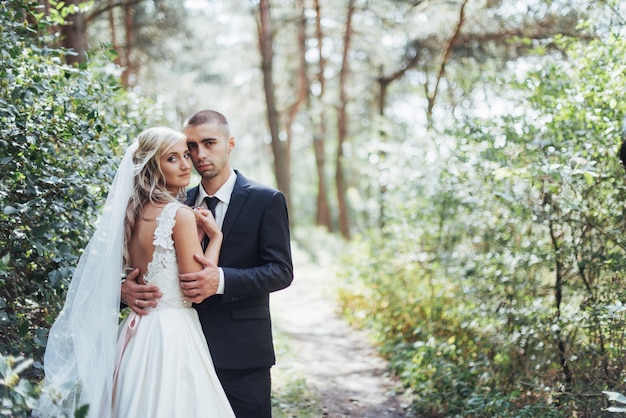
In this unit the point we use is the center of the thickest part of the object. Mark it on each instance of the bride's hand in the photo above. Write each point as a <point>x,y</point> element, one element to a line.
<point>206,223</point>
<point>200,212</point>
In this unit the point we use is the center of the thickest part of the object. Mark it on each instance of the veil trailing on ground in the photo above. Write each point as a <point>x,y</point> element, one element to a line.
<point>80,354</point>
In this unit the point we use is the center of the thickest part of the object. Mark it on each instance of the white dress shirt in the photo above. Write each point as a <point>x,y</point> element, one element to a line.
<point>223,194</point>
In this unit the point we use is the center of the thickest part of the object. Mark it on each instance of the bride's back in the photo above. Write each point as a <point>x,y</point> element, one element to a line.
<point>152,251</point>
<point>141,245</point>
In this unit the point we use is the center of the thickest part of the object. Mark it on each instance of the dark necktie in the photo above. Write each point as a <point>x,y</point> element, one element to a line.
<point>211,203</point>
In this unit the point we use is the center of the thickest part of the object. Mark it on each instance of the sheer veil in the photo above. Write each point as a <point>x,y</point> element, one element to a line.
<point>80,354</point>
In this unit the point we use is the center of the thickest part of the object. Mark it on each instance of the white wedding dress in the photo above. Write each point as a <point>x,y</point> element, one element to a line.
<point>164,368</point>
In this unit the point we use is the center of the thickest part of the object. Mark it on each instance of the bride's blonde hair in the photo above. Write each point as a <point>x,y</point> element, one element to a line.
<point>148,178</point>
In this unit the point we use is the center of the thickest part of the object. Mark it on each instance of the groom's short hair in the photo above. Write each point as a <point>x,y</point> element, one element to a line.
<point>205,116</point>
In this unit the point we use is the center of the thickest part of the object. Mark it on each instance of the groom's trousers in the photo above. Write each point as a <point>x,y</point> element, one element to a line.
<point>248,391</point>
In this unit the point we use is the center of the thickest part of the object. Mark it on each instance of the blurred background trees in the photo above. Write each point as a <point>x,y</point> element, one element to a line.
<point>465,150</point>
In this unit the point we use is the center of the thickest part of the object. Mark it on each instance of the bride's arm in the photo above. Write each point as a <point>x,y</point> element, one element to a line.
<point>206,223</point>
<point>185,242</point>
<point>196,282</point>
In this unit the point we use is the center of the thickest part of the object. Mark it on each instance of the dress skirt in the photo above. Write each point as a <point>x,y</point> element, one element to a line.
<point>165,368</point>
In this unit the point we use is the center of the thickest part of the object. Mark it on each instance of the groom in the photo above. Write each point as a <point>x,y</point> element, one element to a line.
<point>232,300</point>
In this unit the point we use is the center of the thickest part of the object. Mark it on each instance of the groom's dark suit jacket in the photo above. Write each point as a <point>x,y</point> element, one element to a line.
<point>256,260</point>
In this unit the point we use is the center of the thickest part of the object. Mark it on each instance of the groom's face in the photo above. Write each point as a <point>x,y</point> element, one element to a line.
<point>209,146</point>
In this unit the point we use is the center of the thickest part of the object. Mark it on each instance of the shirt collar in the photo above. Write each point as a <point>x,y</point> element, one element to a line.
<point>223,193</point>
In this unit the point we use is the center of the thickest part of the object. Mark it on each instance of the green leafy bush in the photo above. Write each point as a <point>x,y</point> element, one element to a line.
<point>18,396</point>
<point>495,287</point>
<point>62,129</point>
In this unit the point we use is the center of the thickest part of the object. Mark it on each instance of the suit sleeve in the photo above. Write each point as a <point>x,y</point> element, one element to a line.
<point>272,269</point>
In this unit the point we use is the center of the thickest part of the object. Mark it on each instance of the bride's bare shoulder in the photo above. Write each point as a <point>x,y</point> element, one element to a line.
<point>185,217</point>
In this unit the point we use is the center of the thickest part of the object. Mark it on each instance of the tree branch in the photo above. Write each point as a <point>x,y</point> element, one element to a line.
<point>109,6</point>
<point>446,57</point>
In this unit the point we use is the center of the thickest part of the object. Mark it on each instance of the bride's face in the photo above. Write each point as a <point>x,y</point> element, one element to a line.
<point>176,167</point>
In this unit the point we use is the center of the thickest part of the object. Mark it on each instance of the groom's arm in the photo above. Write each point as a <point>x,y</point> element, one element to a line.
<point>268,266</point>
<point>200,285</point>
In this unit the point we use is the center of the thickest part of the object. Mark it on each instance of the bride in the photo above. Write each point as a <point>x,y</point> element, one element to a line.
<point>156,365</point>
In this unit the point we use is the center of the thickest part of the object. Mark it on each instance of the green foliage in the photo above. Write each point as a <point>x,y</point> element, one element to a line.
<point>294,399</point>
<point>495,287</point>
<point>58,11</point>
<point>62,129</point>
<point>18,396</point>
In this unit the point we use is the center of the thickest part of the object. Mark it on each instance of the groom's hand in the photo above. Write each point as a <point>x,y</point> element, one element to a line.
<point>139,297</point>
<point>200,285</point>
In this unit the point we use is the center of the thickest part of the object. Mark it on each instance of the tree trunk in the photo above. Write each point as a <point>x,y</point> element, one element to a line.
<point>126,59</point>
<point>323,217</point>
<point>279,148</point>
<point>384,82</point>
<point>560,272</point>
<point>114,40</point>
<point>74,34</point>
<point>302,93</point>
<point>342,122</point>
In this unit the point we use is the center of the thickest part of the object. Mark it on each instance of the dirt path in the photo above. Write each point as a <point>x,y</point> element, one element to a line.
<point>337,362</point>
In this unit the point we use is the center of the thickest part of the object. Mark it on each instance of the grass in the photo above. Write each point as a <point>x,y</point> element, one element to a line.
<point>291,395</point>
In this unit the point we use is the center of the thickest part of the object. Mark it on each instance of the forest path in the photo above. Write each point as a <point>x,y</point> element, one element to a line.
<point>336,361</point>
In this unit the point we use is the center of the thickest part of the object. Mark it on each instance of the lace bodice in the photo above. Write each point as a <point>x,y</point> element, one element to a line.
<point>162,270</point>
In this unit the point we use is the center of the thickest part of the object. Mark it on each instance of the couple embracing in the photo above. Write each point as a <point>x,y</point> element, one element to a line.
<point>225,256</point>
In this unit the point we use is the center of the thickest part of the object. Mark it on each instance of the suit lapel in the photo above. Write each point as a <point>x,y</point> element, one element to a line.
<point>191,196</point>
<point>237,200</point>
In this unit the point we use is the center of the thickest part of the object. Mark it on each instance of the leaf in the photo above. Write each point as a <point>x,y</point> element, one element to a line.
<point>615,396</point>
<point>23,365</point>
<point>589,177</point>
<point>54,277</point>
<point>52,180</point>
<point>615,409</point>
<point>23,328</point>
<point>82,412</point>
<point>502,173</point>
<point>505,196</point>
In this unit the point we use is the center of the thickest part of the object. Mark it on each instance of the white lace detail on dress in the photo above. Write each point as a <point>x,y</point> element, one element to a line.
<point>162,271</point>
